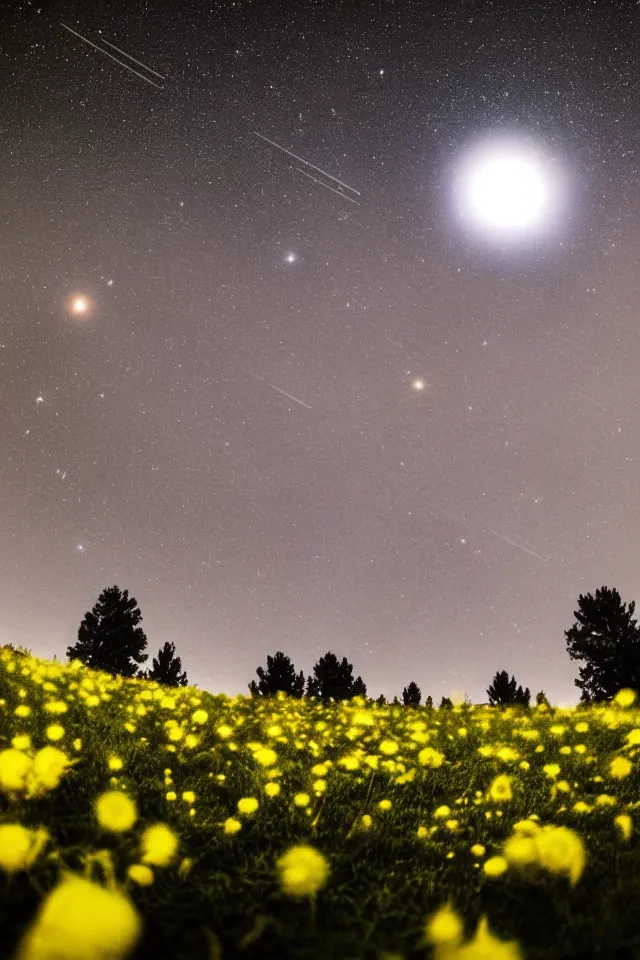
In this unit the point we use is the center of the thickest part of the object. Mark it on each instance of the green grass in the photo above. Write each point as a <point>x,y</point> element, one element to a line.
<point>384,880</point>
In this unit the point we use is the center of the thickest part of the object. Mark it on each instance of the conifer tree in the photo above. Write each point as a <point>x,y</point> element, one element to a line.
<point>109,637</point>
<point>333,679</point>
<point>607,639</point>
<point>446,703</point>
<point>429,703</point>
<point>280,675</point>
<point>505,692</point>
<point>412,695</point>
<point>381,701</point>
<point>167,668</point>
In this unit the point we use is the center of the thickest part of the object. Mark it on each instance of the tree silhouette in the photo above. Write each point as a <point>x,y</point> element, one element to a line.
<point>109,637</point>
<point>429,703</point>
<point>542,700</point>
<point>381,701</point>
<point>167,668</point>
<point>334,679</point>
<point>505,692</point>
<point>446,703</point>
<point>412,695</point>
<point>279,675</point>
<point>608,640</point>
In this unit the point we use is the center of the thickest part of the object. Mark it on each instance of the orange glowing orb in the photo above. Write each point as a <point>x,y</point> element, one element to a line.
<point>79,305</point>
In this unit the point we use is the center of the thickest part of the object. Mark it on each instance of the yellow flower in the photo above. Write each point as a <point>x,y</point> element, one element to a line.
<point>484,945</point>
<point>247,805</point>
<point>21,741</point>
<point>620,767</point>
<point>231,825</point>
<point>55,732</point>
<point>442,812</point>
<point>116,811</point>
<point>272,789</point>
<point>265,757</point>
<point>444,927</point>
<point>388,747</point>
<point>79,920</point>
<point>367,821</point>
<point>500,789</point>
<point>560,850</point>
<point>478,850</point>
<point>385,805</point>
<point>189,796</point>
<point>49,764</point>
<point>22,710</point>
<point>159,845</point>
<point>14,767</point>
<point>430,757</point>
<point>623,822</point>
<point>320,770</point>
<point>520,850</point>
<point>422,832</point>
<point>302,799</point>
<point>19,846</point>
<point>552,770</point>
<point>303,871</point>
<point>581,807</point>
<point>633,737</point>
<point>495,866</point>
<point>171,795</point>
<point>200,716</point>
<point>140,874</point>
<point>224,731</point>
<point>115,763</point>
<point>625,697</point>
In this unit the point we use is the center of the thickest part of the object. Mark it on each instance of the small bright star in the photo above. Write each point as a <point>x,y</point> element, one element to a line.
<point>291,258</point>
<point>80,548</point>
<point>418,384</point>
<point>109,283</point>
<point>39,399</point>
<point>80,305</point>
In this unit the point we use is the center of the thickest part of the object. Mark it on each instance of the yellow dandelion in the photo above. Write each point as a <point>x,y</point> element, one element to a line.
<point>620,767</point>
<point>272,789</point>
<point>22,711</point>
<point>159,845</point>
<point>623,822</point>
<point>320,770</point>
<point>189,796</point>
<point>55,732</point>
<point>115,763</point>
<point>367,821</point>
<point>442,812</point>
<point>385,805</point>
<point>388,747</point>
<point>444,927</point>
<point>302,799</point>
<point>265,757</point>
<point>116,811</point>
<point>79,920</point>
<point>484,945</point>
<point>248,805</point>
<point>171,796</point>
<point>14,767</point>
<point>303,871</point>
<point>22,741</point>
<point>19,846</point>
<point>422,832</point>
<point>625,697</point>
<point>495,866</point>
<point>560,850</point>
<point>430,757</point>
<point>552,770</point>
<point>478,850</point>
<point>231,825</point>
<point>49,765</point>
<point>500,789</point>
<point>200,717</point>
<point>140,874</point>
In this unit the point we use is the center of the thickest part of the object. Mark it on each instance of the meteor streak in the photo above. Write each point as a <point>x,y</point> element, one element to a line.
<point>327,187</point>
<point>307,162</point>
<point>115,59</point>
<point>290,396</point>
<point>140,64</point>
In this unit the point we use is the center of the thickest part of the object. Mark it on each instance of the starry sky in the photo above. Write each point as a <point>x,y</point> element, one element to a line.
<point>316,414</point>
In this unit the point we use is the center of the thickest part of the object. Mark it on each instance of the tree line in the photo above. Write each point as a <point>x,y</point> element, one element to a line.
<point>605,638</point>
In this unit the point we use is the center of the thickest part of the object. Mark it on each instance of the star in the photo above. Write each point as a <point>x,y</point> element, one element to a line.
<point>40,399</point>
<point>291,258</point>
<point>418,384</point>
<point>79,305</point>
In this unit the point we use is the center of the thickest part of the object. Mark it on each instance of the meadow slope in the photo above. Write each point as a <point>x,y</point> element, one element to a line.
<point>525,818</point>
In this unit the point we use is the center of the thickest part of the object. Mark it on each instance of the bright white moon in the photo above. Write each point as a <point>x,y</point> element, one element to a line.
<point>508,190</point>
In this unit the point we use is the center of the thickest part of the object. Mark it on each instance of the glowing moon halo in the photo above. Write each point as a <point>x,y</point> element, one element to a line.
<point>508,189</point>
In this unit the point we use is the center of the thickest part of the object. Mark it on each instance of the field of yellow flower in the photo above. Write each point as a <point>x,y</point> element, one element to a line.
<point>147,822</point>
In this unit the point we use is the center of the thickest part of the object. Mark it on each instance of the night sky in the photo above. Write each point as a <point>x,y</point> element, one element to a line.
<point>286,415</point>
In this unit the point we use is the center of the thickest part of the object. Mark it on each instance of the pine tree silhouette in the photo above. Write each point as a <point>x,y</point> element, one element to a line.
<point>607,639</point>
<point>446,703</point>
<point>429,703</point>
<point>279,675</point>
<point>334,679</point>
<point>542,699</point>
<point>167,668</point>
<point>412,695</point>
<point>109,637</point>
<point>505,692</point>
<point>381,701</point>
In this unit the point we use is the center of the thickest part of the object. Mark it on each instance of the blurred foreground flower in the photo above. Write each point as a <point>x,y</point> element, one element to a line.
<point>303,871</point>
<point>79,920</point>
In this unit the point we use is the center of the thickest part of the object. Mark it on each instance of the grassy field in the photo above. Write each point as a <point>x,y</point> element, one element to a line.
<point>290,829</point>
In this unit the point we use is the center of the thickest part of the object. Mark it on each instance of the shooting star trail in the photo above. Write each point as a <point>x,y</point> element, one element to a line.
<point>327,187</point>
<point>307,162</point>
<point>519,546</point>
<point>449,515</point>
<point>115,59</point>
<point>591,400</point>
<point>140,64</point>
<point>290,396</point>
